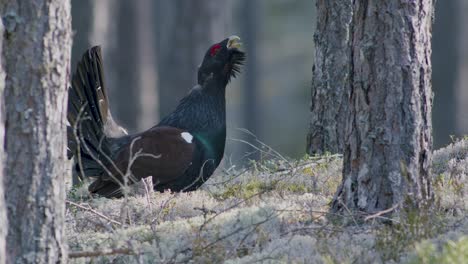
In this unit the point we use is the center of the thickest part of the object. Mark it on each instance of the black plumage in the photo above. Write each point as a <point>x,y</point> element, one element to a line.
<point>180,153</point>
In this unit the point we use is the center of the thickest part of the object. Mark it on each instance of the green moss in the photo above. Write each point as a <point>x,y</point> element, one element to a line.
<point>256,187</point>
<point>245,190</point>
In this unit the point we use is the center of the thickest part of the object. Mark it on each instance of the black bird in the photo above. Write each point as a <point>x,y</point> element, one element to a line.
<point>180,153</point>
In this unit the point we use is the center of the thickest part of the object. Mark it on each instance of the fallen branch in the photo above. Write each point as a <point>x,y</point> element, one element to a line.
<point>89,209</point>
<point>378,214</point>
<point>103,252</point>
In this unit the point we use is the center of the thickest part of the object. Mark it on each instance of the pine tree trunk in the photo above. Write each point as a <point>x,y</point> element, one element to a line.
<point>3,216</point>
<point>183,38</point>
<point>330,76</point>
<point>81,26</point>
<point>36,50</point>
<point>147,71</point>
<point>128,45</point>
<point>387,151</point>
<point>444,63</point>
<point>114,28</point>
<point>250,27</point>
<point>461,84</point>
<point>123,60</point>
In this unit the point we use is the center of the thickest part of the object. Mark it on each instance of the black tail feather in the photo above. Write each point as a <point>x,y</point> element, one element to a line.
<point>87,114</point>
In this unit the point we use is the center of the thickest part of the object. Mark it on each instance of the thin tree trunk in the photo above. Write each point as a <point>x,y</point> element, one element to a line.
<point>114,28</point>
<point>183,38</point>
<point>146,64</point>
<point>388,130</point>
<point>130,67</point>
<point>81,25</point>
<point>36,50</point>
<point>330,76</point>
<point>3,216</point>
<point>251,18</point>
<point>461,84</point>
<point>444,60</point>
<point>124,94</point>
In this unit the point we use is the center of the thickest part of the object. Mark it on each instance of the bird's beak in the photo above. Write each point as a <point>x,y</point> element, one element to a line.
<point>234,42</point>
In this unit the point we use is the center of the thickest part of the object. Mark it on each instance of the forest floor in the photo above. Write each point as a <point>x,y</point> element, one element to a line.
<point>274,212</point>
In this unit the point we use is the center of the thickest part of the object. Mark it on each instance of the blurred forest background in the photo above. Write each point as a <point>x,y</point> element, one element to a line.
<point>152,49</point>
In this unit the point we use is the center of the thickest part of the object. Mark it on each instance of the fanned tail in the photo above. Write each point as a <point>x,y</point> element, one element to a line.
<point>90,122</point>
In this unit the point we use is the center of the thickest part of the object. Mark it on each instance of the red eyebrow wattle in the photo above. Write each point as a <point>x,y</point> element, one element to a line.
<point>214,49</point>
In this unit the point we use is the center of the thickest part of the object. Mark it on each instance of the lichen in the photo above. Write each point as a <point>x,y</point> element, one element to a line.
<point>271,214</point>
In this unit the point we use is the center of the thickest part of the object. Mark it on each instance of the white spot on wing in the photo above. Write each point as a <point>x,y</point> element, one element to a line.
<point>186,136</point>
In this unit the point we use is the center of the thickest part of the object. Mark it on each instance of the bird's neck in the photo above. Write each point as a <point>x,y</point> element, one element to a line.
<point>203,109</point>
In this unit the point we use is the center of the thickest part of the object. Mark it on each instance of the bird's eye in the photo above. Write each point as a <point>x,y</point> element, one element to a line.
<point>214,49</point>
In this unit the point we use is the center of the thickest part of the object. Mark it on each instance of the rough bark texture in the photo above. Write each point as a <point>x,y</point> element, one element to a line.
<point>36,50</point>
<point>330,76</point>
<point>461,84</point>
<point>3,216</point>
<point>185,31</point>
<point>388,130</point>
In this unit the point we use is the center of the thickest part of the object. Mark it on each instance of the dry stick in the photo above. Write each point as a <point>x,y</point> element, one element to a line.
<point>378,214</point>
<point>124,208</point>
<point>109,159</point>
<point>254,225</point>
<point>236,231</point>
<point>148,191</point>
<point>154,220</point>
<point>275,154</point>
<point>252,196</point>
<point>263,144</point>
<point>349,211</point>
<point>103,252</point>
<point>78,144</point>
<point>200,176</point>
<point>98,161</point>
<point>94,212</point>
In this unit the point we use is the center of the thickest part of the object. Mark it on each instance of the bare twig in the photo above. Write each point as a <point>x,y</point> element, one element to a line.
<point>102,252</point>
<point>349,211</point>
<point>89,209</point>
<point>379,214</point>
<point>148,184</point>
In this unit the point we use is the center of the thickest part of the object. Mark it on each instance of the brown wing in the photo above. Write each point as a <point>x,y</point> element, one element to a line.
<point>162,152</point>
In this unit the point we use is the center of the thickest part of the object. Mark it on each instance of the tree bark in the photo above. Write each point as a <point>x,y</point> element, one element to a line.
<point>3,216</point>
<point>387,151</point>
<point>36,50</point>
<point>330,76</point>
<point>183,38</point>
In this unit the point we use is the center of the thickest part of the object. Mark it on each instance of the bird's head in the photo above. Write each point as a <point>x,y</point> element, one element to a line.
<point>222,61</point>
